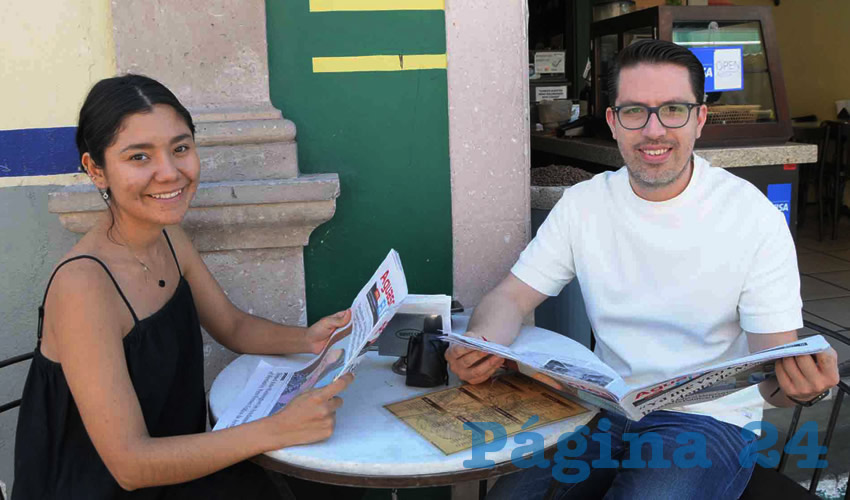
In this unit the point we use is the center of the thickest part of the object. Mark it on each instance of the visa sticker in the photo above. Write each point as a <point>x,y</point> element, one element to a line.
<point>780,196</point>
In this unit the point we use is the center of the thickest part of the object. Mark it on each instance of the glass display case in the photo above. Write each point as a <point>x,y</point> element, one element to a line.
<point>745,89</point>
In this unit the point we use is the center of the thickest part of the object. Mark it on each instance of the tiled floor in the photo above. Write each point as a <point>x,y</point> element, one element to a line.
<point>825,288</point>
<point>825,274</point>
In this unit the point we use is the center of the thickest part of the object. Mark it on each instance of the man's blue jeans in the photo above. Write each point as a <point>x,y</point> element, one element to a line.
<point>725,478</point>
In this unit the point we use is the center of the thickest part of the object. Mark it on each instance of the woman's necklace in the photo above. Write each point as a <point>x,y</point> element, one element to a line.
<point>161,283</point>
<point>147,269</point>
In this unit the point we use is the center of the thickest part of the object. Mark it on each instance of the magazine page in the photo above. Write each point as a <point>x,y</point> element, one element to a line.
<point>271,387</point>
<point>373,308</point>
<point>581,369</point>
<point>756,374</point>
<point>600,400</point>
<point>258,397</point>
<point>590,375</point>
<point>674,391</point>
<point>482,345</point>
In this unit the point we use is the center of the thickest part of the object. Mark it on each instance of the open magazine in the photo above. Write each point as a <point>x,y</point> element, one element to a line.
<point>593,381</point>
<point>272,387</point>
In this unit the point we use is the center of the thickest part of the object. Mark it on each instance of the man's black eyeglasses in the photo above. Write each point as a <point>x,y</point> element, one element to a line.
<point>671,115</point>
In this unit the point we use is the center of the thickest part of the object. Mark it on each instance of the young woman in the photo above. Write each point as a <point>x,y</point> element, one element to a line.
<point>114,403</point>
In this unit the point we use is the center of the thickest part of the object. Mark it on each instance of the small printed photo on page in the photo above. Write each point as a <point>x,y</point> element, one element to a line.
<point>375,303</point>
<point>315,376</point>
<point>576,372</point>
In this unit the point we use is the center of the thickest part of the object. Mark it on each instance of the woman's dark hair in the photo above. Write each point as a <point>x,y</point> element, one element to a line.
<point>110,101</point>
<point>658,52</point>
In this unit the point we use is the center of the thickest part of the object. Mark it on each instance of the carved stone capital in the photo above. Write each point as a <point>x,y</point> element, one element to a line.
<point>229,215</point>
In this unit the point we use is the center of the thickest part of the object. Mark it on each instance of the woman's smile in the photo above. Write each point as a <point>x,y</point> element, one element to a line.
<point>167,196</point>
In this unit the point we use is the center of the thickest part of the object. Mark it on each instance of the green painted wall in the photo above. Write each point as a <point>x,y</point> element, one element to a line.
<point>384,133</point>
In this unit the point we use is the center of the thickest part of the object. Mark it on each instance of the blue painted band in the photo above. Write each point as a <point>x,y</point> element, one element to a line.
<point>38,151</point>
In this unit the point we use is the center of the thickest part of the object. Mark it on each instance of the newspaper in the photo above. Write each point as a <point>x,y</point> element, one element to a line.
<point>271,387</point>
<point>591,380</point>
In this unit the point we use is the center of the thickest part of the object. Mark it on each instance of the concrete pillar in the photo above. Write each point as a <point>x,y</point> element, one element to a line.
<point>487,50</point>
<point>253,213</point>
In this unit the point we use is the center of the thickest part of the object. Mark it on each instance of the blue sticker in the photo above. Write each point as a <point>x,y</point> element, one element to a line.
<point>780,195</point>
<point>723,66</point>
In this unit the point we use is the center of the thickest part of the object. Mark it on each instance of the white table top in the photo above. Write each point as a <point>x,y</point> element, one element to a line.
<point>368,439</point>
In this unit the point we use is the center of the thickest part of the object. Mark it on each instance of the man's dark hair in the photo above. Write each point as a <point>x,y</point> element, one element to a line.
<point>658,52</point>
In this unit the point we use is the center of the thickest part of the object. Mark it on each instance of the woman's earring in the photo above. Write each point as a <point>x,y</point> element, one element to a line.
<point>106,196</point>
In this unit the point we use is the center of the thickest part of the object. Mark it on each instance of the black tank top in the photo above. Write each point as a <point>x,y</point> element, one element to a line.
<point>54,456</point>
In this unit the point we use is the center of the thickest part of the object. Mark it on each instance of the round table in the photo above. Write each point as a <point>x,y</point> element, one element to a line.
<point>370,447</point>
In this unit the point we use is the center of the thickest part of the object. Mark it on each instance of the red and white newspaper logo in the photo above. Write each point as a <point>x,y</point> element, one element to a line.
<point>387,288</point>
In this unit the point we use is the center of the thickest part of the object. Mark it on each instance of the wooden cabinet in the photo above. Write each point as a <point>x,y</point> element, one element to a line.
<point>754,111</point>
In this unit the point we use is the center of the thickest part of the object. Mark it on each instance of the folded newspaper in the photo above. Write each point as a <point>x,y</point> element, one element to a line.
<point>591,380</point>
<point>271,387</point>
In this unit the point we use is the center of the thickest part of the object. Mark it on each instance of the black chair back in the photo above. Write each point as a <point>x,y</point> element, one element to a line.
<point>842,389</point>
<point>9,362</point>
<point>4,407</point>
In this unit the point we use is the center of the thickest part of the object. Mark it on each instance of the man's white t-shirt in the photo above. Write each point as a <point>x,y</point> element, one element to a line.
<point>671,286</point>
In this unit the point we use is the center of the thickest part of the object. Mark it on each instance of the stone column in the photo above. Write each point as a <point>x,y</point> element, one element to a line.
<point>253,213</point>
<point>490,166</point>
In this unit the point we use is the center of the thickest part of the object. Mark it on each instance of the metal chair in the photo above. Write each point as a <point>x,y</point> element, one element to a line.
<point>16,402</point>
<point>772,483</point>
<point>808,134</point>
<point>843,388</point>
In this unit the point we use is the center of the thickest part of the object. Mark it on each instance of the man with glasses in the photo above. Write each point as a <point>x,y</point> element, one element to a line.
<point>681,265</point>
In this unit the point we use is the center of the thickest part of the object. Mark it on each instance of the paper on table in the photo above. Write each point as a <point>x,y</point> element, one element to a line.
<point>510,400</point>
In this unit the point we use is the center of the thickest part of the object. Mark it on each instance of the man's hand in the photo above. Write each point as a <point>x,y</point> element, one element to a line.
<point>318,334</point>
<point>804,377</point>
<point>470,365</point>
<point>499,314</point>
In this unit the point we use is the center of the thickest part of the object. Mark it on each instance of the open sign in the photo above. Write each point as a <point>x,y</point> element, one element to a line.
<point>723,66</point>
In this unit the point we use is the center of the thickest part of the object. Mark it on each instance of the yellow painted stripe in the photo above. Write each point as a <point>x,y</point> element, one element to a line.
<point>50,41</point>
<point>44,180</point>
<point>378,63</point>
<point>370,5</point>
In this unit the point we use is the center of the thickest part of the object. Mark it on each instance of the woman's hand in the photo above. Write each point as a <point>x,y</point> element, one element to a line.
<point>318,334</point>
<point>310,417</point>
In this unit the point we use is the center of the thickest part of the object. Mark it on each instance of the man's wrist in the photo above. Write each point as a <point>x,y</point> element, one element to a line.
<point>812,401</point>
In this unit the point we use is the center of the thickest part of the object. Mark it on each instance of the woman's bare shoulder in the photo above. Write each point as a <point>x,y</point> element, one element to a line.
<point>179,238</point>
<point>78,277</point>
<point>185,250</point>
<point>82,293</point>
<point>81,306</point>
<point>78,265</point>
